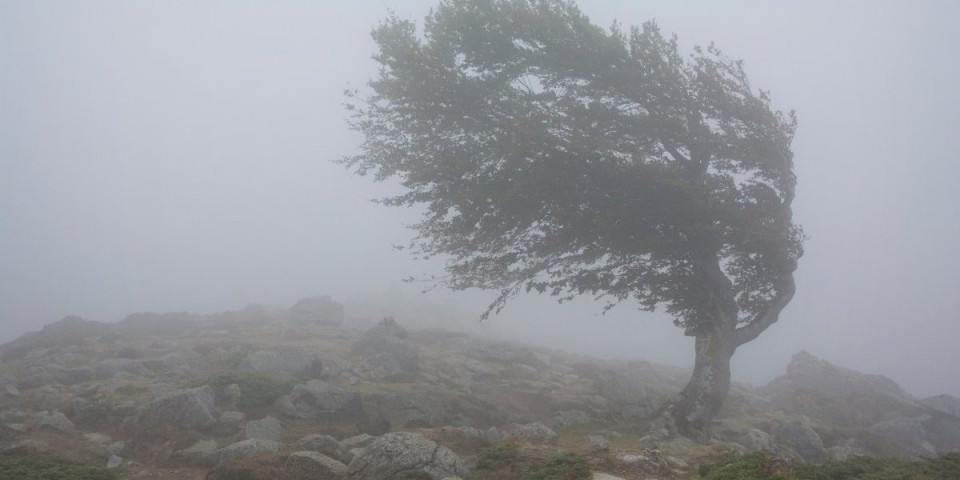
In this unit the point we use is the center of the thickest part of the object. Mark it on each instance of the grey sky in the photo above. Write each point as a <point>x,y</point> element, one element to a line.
<point>163,155</point>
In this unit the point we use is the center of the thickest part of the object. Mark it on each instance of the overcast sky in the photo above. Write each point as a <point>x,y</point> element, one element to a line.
<point>169,156</point>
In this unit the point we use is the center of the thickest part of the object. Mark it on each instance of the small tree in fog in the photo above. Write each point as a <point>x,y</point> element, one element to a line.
<point>555,156</point>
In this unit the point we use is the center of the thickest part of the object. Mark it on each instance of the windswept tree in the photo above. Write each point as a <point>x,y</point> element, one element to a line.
<point>555,156</point>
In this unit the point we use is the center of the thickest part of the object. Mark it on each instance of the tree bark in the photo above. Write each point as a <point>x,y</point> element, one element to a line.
<point>701,399</point>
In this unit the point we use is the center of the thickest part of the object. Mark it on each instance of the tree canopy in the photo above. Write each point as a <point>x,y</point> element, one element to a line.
<point>553,155</point>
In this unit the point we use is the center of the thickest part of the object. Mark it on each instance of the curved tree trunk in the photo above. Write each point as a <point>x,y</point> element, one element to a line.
<point>701,399</point>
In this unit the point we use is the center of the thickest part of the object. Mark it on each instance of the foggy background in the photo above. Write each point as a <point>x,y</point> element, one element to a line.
<point>169,156</point>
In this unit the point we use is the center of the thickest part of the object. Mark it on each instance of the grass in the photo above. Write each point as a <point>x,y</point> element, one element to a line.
<point>42,467</point>
<point>492,457</point>
<point>760,466</point>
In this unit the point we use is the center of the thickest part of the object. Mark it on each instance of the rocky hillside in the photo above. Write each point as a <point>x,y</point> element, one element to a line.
<point>303,393</point>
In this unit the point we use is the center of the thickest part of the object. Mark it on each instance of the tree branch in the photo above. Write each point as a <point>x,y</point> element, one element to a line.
<point>769,315</point>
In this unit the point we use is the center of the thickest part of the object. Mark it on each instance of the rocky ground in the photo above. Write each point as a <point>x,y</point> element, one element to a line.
<point>302,393</point>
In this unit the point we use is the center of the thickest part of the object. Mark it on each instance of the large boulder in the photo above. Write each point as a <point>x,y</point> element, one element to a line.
<point>385,346</point>
<point>319,310</point>
<point>320,400</point>
<point>406,456</point>
<point>904,436</point>
<point>190,409</point>
<point>285,362</point>
<point>531,432</point>
<point>838,396</point>
<point>238,450</point>
<point>267,428</point>
<point>313,466</point>
<point>802,439</point>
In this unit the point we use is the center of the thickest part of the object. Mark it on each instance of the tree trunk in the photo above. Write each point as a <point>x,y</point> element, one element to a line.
<point>701,399</point>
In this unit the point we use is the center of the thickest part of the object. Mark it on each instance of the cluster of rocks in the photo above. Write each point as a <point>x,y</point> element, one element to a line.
<point>243,386</point>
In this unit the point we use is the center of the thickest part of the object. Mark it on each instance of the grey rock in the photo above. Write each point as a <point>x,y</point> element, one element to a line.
<point>406,456</point>
<point>114,461</point>
<point>12,390</point>
<point>407,409</point>
<point>190,409</point>
<point>12,415</point>
<point>598,443</point>
<point>112,367</point>
<point>531,432</point>
<point>905,436</point>
<point>284,362</point>
<point>324,444</point>
<point>37,376</point>
<point>55,420</point>
<point>319,310</point>
<point>313,466</point>
<point>267,428</point>
<point>320,400</point>
<point>566,418</point>
<point>944,403</point>
<point>202,453</point>
<point>605,476</point>
<point>358,441</point>
<point>802,439</point>
<point>245,448</point>
<point>754,440</point>
<point>385,346</point>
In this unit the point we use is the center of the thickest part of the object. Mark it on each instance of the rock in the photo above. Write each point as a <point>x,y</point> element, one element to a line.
<point>605,476</point>
<point>385,346</point>
<point>71,330</point>
<point>944,403</point>
<point>801,439</point>
<point>112,367</point>
<point>267,428</point>
<point>406,456</point>
<point>230,421</point>
<point>531,432</point>
<point>320,400</point>
<point>190,409</point>
<point>55,420</point>
<point>324,444</point>
<point>566,418</point>
<point>319,310</point>
<point>598,443</point>
<point>12,390</point>
<point>468,436</point>
<point>838,396</point>
<point>37,376</point>
<point>283,362</point>
<point>245,448</point>
<point>905,437</point>
<point>114,462</point>
<point>202,453</point>
<point>406,409</point>
<point>754,440</point>
<point>358,441</point>
<point>313,466</point>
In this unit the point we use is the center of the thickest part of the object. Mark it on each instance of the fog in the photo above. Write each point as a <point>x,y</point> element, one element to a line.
<point>169,156</point>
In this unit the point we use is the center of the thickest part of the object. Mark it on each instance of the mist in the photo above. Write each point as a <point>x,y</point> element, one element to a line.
<point>173,156</point>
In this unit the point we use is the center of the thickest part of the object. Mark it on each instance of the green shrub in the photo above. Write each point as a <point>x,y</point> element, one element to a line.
<point>497,455</point>
<point>562,466</point>
<point>41,467</point>
<point>944,467</point>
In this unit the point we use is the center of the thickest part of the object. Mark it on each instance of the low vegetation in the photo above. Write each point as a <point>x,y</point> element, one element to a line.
<point>256,390</point>
<point>764,467</point>
<point>561,466</point>
<point>42,467</point>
